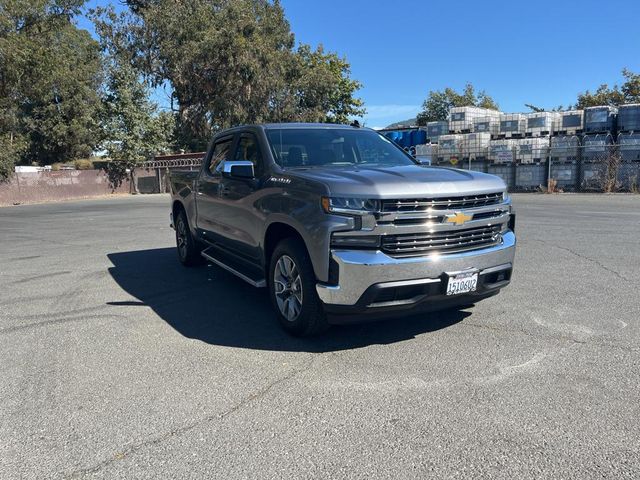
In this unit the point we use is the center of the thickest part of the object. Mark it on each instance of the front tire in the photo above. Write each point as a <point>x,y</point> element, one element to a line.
<point>187,246</point>
<point>292,288</point>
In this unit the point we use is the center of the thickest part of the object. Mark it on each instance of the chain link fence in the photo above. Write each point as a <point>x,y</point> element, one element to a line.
<point>153,176</point>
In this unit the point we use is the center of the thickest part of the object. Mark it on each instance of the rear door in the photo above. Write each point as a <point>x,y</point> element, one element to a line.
<point>208,188</point>
<point>242,225</point>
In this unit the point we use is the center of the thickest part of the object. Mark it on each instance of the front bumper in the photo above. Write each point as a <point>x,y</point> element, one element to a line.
<point>366,278</point>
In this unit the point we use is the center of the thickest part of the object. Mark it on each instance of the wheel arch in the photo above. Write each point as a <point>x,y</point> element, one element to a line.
<point>176,206</point>
<point>274,234</point>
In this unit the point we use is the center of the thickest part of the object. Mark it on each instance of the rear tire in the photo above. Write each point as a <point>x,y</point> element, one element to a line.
<point>188,247</point>
<point>292,289</point>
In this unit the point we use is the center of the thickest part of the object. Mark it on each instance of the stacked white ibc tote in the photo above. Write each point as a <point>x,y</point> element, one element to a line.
<point>597,147</point>
<point>512,125</point>
<point>629,118</point>
<point>450,148</point>
<point>502,151</point>
<point>571,122</point>
<point>629,132</point>
<point>475,146</point>
<point>532,150</point>
<point>426,153</point>
<point>436,129</point>
<point>600,120</point>
<point>564,148</point>
<point>489,123</point>
<point>461,119</point>
<point>563,160</point>
<point>629,144</point>
<point>628,174</point>
<point>541,124</point>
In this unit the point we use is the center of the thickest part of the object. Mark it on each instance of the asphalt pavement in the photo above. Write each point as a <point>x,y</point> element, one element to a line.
<point>117,362</point>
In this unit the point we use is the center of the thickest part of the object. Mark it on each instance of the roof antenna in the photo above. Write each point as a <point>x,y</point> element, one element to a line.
<point>355,124</point>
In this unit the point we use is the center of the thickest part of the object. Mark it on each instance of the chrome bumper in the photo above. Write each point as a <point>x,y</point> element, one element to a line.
<point>360,269</point>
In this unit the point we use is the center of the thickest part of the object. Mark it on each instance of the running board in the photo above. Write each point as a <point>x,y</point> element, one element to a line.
<point>256,282</point>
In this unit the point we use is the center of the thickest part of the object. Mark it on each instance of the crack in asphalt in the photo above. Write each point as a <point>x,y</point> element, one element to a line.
<point>153,440</point>
<point>584,257</point>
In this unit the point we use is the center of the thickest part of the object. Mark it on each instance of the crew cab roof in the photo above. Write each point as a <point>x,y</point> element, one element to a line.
<point>269,126</point>
<point>305,125</point>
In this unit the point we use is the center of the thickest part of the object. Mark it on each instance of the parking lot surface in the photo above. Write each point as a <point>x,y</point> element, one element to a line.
<point>117,362</point>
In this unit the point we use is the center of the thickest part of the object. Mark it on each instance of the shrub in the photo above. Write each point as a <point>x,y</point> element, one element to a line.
<point>83,164</point>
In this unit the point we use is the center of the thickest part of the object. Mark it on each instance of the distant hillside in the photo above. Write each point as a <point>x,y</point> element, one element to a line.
<point>412,122</point>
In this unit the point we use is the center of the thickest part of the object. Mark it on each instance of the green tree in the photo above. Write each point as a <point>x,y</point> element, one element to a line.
<point>49,82</point>
<point>233,62</point>
<point>629,92</point>
<point>133,128</point>
<point>437,105</point>
<point>318,89</point>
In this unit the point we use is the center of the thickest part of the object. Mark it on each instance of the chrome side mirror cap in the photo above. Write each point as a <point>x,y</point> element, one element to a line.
<point>238,169</point>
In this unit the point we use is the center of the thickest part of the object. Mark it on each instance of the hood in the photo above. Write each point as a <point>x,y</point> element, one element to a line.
<point>407,181</point>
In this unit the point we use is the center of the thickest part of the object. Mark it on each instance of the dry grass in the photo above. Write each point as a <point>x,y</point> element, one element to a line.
<point>552,187</point>
<point>83,164</point>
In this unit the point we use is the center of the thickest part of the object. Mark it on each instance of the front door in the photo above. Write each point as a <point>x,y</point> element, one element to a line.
<point>208,189</point>
<point>242,225</point>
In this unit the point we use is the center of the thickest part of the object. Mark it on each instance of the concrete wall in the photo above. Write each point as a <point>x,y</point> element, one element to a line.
<point>34,187</point>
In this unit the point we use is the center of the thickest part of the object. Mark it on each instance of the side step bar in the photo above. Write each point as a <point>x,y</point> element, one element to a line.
<point>234,268</point>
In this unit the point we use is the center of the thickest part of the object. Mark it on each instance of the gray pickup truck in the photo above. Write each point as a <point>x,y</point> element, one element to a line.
<point>340,224</point>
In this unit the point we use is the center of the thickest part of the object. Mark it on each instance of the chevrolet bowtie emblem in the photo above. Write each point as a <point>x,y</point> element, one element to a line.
<point>458,218</point>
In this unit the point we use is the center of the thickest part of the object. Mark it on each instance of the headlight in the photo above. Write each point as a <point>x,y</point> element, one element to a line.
<point>350,206</point>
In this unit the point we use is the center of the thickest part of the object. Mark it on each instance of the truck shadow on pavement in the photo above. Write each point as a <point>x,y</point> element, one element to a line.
<point>209,304</point>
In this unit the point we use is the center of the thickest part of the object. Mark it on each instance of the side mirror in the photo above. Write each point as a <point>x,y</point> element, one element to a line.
<point>238,169</point>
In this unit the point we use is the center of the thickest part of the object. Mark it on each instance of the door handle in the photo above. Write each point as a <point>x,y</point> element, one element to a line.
<point>224,191</point>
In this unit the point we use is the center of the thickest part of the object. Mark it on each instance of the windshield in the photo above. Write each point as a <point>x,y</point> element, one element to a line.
<point>309,147</point>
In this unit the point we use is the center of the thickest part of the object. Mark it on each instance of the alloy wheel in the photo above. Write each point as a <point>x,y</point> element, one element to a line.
<point>287,285</point>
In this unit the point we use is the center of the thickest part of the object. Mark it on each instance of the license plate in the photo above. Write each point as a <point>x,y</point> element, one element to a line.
<point>462,283</point>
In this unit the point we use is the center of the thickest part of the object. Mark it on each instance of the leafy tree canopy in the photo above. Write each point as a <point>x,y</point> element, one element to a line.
<point>437,105</point>
<point>629,92</point>
<point>133,128</point>
<point>49,83</point>
<point>234,62</point>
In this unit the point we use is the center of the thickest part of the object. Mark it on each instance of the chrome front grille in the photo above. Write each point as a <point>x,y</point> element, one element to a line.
<point>441,203</point>
<point>450,241</point>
